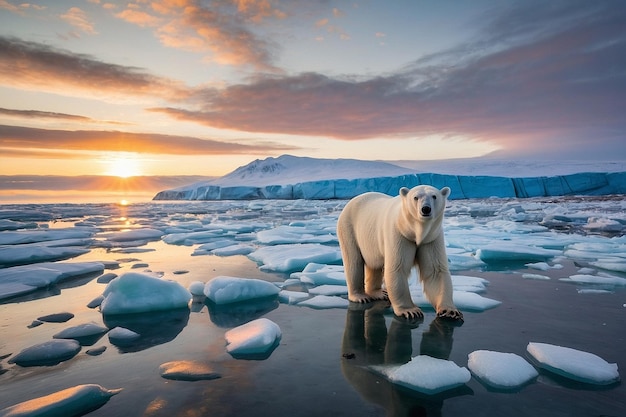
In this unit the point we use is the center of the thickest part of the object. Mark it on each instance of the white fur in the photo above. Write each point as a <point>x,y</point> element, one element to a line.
<point>383,237</point>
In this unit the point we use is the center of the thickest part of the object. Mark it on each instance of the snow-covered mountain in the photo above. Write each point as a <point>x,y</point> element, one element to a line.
<point>288,169</point>
<point>290,177</point>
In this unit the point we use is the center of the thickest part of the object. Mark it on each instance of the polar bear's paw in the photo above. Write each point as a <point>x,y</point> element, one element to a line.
<point>411,313</point>
<point>368,298</point>
<point>450,313</point>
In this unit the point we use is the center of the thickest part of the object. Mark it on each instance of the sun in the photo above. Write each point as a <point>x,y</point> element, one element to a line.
<point>123,165</point>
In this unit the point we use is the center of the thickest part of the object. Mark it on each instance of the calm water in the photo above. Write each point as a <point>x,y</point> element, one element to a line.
<point>307,375</point>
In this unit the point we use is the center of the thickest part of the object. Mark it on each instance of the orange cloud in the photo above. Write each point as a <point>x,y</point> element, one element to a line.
<point>218,29</point>
<point>21,140</point>
<point>39,67</point>
<point>78,18</point>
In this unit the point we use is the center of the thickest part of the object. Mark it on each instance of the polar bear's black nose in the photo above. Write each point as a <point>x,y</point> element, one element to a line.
<point>426,210</point>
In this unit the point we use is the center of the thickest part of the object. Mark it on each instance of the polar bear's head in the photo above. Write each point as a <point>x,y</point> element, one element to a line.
<point>424,202</point>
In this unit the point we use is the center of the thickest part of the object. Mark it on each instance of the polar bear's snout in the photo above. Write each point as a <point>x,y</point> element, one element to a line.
<point>426,210</point>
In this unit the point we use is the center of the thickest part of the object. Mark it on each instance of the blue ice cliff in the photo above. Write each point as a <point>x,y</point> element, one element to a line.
<point>288,177</point>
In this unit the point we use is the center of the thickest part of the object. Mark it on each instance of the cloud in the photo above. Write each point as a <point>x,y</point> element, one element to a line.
<point>24,139</point>
<point>218,29</point>
<point>525,84</point>
<point>39,67</point>
<point>38,114</point>
<point>78,18</point>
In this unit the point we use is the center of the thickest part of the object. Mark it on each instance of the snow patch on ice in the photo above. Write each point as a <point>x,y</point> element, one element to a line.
<point>501,370</point>
<point>258,337</point>
<point>226,290</point>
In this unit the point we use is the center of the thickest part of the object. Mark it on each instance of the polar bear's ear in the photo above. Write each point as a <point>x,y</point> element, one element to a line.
<point>404,191</point>
<point>445,191</point>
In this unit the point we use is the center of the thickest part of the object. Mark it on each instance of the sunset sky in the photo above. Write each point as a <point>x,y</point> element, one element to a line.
<point>195,87</point>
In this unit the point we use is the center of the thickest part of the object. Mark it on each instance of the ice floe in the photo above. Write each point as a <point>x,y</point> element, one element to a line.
<point>574,364</point>
<point>48,353</point>
<point>511,252</point>
<point>188,371</point>
<point>501,370</point>
<point>121,336</point>
<point>135,292</point>
<point>257,338</point>
<point>23,279</point>
<point>81,331</point>
<point>294,257</point>
<point>75,401</point>
<point>321,274</point>
<point>325,301</point>
<point>226,290</point>
<point>426,374</point>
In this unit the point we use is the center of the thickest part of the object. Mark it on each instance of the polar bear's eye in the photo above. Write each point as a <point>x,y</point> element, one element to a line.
<point>434,197</point>
<point>416,198</point>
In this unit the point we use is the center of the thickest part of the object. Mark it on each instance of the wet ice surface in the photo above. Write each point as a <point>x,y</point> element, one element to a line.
<point>542,271</point>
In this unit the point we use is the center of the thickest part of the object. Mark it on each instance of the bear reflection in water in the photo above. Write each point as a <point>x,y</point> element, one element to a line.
<point>368,342</point>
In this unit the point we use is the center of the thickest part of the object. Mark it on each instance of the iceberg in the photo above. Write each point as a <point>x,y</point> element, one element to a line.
<point>426,374</point>
<point>121,336</point>
<point>255,339</point>
<point>501,370</point>
<point>135,292</point>
<point>574,364</point>
<point>75,401</point>
<point>311,179</point>
<point>227,290</point>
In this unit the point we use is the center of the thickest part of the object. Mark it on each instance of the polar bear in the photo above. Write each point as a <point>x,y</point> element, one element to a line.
<point>383,237</point>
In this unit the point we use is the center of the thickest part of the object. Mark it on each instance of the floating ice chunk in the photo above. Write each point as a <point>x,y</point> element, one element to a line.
<point>469,301</point>
<point>329,290</point>
<point>574,364</point>
<point>231,250</point>
<point>191,238</point>
<point>292,297</point>
<point>541,266</point>
<point>75,401</point>
<point>290,234</point>
<point>34,253</point>
<point>187,371</point>
<point>48,353</point>
<point>23,237</point>
<point>6,224</point>
<point>512,252</point>
<point>426,374</point>
<point>134,235</point>
<point>226,290</point>
<point>287,258</point>
<point>610,264</point>
<point>81,331</point>
<point>595,279</point>
<point>121,336</point>
<point>599,224</point>
<point>257,337</point>
<point>536,276</point>
<point>57,317</point>
<point>96,302</point>
<point>591,291</point>
<point>320,274</point>
<point>469,283</point>
<point>22,279</point>
<point>325,301</point>
<point>135,292</point>
<point>501,370</point>
<point>106,278</point>
<point>196,288</point>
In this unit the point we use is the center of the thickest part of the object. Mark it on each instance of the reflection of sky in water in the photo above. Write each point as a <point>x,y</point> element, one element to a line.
<point>323,362</point>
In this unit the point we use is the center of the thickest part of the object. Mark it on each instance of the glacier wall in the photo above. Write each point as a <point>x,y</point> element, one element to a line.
<point>463,187</point>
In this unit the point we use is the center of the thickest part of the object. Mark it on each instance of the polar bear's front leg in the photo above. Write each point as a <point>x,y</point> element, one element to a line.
<point>436,280</point>
<point>397,270</point>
